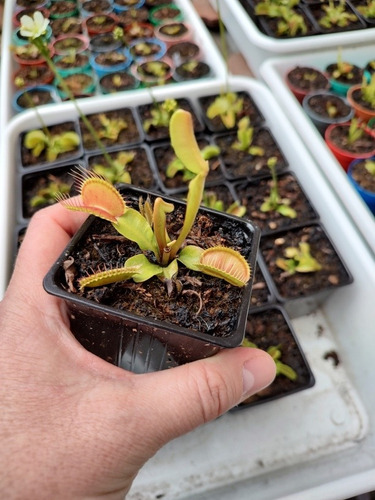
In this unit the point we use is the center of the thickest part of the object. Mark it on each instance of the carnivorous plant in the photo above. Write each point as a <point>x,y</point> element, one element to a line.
<point>147,227</point>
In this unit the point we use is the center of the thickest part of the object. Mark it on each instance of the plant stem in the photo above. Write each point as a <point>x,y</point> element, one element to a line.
<point>40,45</point>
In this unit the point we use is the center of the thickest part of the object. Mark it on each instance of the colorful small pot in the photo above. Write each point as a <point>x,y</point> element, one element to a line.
<point>365,114</point>
<point>95,29</point>
<point>104,69</point>
<point>39,61</point>
<point>47,89</point>
<point>64,72</point>
<point>167,33</point>
<point>156,19</point>
<point>105,42</point>
<point>342,88</point>
<point>18,39</point>
<point>146,78</point>
<point>343,156</point>
<point>86,12</point>
<point>132,82</point>
<point>161,49</point>
<point>79,43</point>
<point>367,196</point>
<point>87,90</point>
<point>301,91</point>
<point>62,15</point>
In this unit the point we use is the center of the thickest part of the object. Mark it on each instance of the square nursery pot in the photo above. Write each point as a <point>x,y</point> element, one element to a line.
<point>147,343</point>
<point>252,194</point>
<point>270,327</point>
<point>302,292</point>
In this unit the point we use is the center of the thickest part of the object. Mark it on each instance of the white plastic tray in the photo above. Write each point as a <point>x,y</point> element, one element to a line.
<point>308,439</point>
<point>201,36</point>
<point>273,72</point>
<point>256,47</point>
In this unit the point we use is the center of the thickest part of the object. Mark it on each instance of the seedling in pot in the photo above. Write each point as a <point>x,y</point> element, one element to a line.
<point>161,114</point>
<point>355,131</point>
<point>147,227</point>
<point>111,127</point>
<point>208,152</point>
<point>245,135</point>
<point>48,194</point>
<point>53,144</point>
<point>290,23</point>
<point>298,260</point>
<point>367,10</point>
<point>274,203</point>
<point>275,351</point>
<point>117,171</point>
<point>336,14</point>
<point>211,200</point>
<point>368,91</point>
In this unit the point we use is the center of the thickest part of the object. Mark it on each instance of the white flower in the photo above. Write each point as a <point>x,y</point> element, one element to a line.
<point>33,27</point>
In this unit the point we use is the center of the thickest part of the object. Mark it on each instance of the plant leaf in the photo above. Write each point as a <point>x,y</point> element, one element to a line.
<point>135,227</point>
<point>146,269</point>
<point>190,257</point>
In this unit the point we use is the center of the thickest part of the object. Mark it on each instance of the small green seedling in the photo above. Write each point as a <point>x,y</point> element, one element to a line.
<point>211,200</point>
<point>117,171</point>
<point>228,107</point>
<point>336,14</point>
<point>245,136</point>
<point>161,114</point>
<point>367,10</point>
<point>274,203</point>
<point>48,194</point>
<point>111,127</point>
<point>53,144</point>
<point>147,227</point>
<point>368,90</point>
<point>370,166</point>
<point>298,260</point>
<point>276,353</point>
<point>175,166</point>
<point>355,131</point>
<point>343,68</point>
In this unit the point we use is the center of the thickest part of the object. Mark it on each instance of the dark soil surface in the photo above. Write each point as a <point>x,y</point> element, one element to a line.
<point>307,79</point>
<point>353,77</point>
<point>339,136</point>
<point>253,194</point>
<point>127,136</point>
<point>186,72</point>
<point>270,328</point>
<point>139,168</point>
<point>164,154</point>
<point>61,8</point>
<point>363,177</point>
<point>321,103</point>
<point>239,164</point>
<point>166,13</point>
<point>332,274</point>
<point>131,15</point>
<point>183,50</point>
<point>35,97</point>
<point>123,81</point>
<point>200,302</point>
<point>249,109</point>
<point>64,26</point>
<point>79,60</point>
<point>96,6</point>
<point>34,75</point>
<point>33,183</point>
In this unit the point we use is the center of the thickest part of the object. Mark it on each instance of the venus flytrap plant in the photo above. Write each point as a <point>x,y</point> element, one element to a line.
<point>117,172</point>
<point>161,114</point>
<point>47,195</point>
<point>211,200</point>
<point>147,227</point>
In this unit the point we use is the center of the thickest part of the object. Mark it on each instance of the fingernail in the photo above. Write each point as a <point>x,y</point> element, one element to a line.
<point>258,373</point>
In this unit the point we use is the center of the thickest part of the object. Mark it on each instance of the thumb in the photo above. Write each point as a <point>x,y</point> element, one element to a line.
<point>198,392</point>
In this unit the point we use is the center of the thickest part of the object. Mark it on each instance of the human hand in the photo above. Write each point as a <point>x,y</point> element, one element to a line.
<point>73,425</point>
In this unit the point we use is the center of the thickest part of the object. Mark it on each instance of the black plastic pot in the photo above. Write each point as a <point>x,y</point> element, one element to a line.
<point>142,344</point>
<point>271,327</point>
<point>302,293</point>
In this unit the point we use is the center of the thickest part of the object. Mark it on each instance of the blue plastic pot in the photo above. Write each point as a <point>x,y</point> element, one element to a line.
<point>367,196</point>
<point>101,69</point>
<point>64,72</point>
<point>154,41</point>
<point>18,39</point>
<point>87,13</point>
<point>50,89</point>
